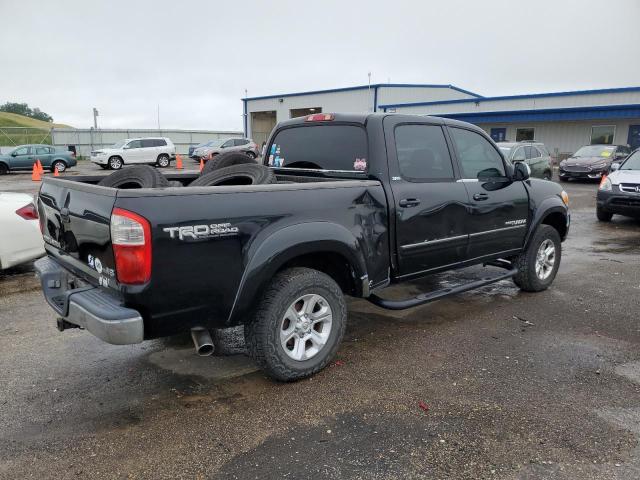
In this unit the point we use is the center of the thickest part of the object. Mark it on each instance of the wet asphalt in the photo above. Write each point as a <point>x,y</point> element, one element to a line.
<point>494,383</point>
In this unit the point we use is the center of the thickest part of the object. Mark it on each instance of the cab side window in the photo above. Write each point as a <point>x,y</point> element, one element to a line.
<point>532,152</point>
<point>22,151</point>
<point>422,153</point>
<point>478,158</point>
<point>42,150</point>
<point>135,144</point>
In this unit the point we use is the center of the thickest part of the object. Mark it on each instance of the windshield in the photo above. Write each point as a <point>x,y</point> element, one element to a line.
<point>595,151</point>
<point>119,144</point>
<point>505,150</point>
<point>212,143</point>
<point>633,162</point>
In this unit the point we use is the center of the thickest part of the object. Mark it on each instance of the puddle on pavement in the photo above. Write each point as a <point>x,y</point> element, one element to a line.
<point>184,361</point>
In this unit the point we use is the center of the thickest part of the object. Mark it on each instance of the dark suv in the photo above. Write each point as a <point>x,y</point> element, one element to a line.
<point>592,161</point>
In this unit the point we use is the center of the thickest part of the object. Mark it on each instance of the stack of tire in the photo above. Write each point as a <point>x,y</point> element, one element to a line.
<point>231,168</point>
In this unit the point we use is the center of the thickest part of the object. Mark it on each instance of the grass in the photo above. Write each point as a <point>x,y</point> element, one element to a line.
<point>29,130</point>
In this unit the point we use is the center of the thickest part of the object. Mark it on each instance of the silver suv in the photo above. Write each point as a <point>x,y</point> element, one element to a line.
<point>213,148</point>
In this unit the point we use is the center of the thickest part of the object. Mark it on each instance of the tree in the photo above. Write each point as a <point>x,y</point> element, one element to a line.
<point>26,110</point>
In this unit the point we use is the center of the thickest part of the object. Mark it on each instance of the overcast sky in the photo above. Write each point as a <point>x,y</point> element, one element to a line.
<point>195,58</point>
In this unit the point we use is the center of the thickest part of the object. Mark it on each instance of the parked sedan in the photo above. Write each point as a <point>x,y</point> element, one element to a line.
<point>23,157</point>
<point>244,145</point>
<point>535,155</point>
<point>619,192</point>
<point>592,161</point>
<point>20,237</point>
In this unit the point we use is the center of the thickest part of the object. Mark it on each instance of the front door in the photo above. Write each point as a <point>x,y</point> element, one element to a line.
<point>634,136</point>
<point>23,158</point>
<point>133,152</point>
<point>430,205</point>
<point>499,207</point>
<point>498,134</point>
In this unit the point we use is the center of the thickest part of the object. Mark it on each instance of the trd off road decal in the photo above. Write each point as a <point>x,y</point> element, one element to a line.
<point>197,232</point>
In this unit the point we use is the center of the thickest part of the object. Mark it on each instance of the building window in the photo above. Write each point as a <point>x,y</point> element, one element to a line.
<point>523,134</point>
<point>602,134</point>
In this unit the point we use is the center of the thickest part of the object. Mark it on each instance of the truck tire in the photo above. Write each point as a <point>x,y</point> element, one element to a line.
<point>245,174</point>
<point>538,264</point>
<point>226,160</point>
<point>136,176</point>
<point>298,324</point>
<point>603,215</point>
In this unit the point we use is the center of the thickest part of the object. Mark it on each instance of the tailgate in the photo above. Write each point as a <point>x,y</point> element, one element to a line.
<point>75,220</point>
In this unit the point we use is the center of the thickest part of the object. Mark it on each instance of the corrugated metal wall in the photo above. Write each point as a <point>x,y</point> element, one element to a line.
<point>566,137</point>
<point>86,140</point>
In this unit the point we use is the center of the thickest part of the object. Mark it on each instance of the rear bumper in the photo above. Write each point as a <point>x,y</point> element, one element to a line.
<point>87,306</point>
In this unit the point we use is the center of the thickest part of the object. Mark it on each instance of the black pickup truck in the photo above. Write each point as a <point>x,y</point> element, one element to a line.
<point>361,202</point>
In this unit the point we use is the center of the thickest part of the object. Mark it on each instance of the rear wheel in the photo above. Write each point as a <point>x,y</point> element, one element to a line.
<point>603,215</point>
<point>59,165</point>
<point>163,161</point>
<point>538,264</point>
<point>298,324</point>
<point>115,163</point>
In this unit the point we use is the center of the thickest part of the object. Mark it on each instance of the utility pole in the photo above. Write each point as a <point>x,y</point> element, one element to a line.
<point>95,118</point>
<point>369,75</point>
<point>158,116</point>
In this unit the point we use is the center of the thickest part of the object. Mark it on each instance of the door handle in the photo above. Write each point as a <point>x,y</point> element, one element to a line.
<point>480,196</point>
<point>409,202</point>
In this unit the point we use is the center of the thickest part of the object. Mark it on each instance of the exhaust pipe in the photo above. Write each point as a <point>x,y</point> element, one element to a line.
<point>202,341</point>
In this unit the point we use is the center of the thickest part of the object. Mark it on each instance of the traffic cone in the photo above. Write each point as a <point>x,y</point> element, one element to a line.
<point>40,167</point>
<point>201,164</point>
<point>55,172</point>
<point>178,162</point>
<point>35,173</point>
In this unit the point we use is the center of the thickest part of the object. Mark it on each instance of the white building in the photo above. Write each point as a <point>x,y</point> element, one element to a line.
<point>564,121</point>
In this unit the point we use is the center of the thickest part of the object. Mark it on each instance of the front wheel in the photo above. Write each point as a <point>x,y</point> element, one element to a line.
<point>547,175</point>
<point>538,264</point>
<point>603,215</point>
<point>298,324</point>
<point>115,163</point>
<point>163,161</point>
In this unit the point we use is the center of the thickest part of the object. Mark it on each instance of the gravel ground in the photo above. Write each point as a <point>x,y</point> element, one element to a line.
<point>494,383</point>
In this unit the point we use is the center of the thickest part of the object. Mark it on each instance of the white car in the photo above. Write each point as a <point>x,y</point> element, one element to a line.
<point>154,151</point>
<point>20,237</point>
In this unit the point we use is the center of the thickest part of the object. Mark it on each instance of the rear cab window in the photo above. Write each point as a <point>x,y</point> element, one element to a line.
<point>339,148</point>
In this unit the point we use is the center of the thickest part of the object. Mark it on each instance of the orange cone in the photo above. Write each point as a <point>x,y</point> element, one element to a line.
<point>55,172</point>
<point>178,162</point>
<point>201,164</point>
<point>35,173</point>
<point>40,167</point>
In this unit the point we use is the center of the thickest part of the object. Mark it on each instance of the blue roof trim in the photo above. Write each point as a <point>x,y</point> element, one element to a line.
<point>365,87</point>
<point>516,97</point>
<point>549,114</point>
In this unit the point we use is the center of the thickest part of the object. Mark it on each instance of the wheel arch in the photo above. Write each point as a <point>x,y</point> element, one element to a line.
<point>551,212</point>
<point>2,162</point>
<point>323,246</point>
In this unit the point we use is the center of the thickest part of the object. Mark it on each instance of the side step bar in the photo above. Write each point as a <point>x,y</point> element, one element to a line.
<point>445,292</point>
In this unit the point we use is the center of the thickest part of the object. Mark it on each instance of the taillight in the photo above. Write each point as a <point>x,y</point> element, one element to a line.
<point>320,117</point>
<point>28,212</point>
<point>131,240</point>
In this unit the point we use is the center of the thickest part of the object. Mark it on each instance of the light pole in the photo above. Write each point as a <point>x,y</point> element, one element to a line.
<point>95,118</point>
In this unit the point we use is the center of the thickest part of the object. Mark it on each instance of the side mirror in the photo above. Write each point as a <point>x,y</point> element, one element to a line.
<point>521,171</point>
<point>14,154</point>
<point>614,166</point>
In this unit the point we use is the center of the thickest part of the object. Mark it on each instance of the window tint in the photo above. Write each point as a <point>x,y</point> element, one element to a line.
<point>531,152</point>
<point>478,158</point>
<point>242,141</point>
<point>22,151</point>
<point>42,150</point>
<point>422,152</point>
<point>519,155</point>
<point>148,143</point>
<point>135,144</point>
<point>543,150</point>
<point>324,147</point>
<point>160,142</point>
<point>228,143</point>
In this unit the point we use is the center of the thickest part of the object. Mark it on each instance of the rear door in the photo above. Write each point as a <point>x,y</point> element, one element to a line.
<point>43,153</point>
<point>430,205</point>
<point>499,207</point>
